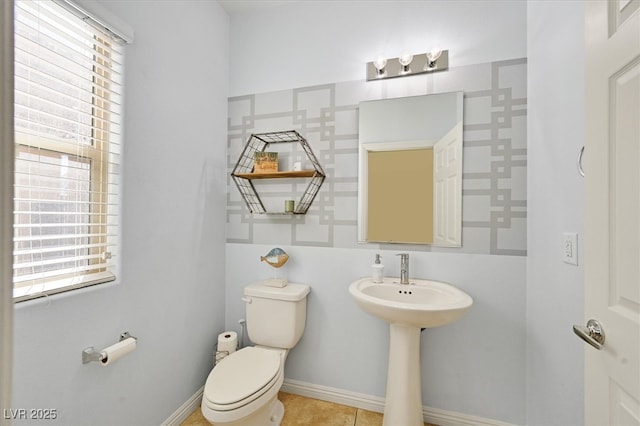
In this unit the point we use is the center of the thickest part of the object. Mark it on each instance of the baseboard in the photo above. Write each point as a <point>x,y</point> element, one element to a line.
<point>338,396</point>
<point>185,409</point>
<point>376,404</point>
<point>344,397</point>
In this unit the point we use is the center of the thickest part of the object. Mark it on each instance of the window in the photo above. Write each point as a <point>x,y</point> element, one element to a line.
<point>68,141</point>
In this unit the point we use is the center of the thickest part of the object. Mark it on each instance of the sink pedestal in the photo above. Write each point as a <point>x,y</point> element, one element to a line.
<point>407,309</point>
<point>403,402</point>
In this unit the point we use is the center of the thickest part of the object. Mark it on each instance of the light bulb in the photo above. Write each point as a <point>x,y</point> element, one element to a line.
<point>405,59</point>
<point>432,57</point>
<point>380,63</point>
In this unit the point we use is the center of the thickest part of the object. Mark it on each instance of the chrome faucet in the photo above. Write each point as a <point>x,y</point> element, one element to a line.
<point>404,268</point>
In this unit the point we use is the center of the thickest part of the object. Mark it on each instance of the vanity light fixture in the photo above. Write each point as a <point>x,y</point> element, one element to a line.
<point>407,64</point>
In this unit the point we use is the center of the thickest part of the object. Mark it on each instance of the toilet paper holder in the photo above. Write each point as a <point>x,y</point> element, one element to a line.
<point>89,354</point>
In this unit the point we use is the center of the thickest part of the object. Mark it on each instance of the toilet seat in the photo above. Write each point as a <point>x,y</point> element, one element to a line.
<point>241,378</point>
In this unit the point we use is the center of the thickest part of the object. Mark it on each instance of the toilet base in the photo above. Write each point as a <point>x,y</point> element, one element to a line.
<point>269,415</point>
<point>277,413</point>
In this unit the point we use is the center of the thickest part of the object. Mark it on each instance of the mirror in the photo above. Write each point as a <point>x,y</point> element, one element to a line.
<point>410,170</point>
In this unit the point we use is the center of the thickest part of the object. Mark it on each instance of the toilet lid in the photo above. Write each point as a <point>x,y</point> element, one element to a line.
<point>241,374</point>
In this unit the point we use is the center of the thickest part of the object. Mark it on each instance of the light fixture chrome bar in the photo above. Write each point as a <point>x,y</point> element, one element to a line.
<point>419,65</point>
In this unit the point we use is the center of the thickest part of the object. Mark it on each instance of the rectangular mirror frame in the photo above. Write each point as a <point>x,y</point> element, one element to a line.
<point>446,179</point>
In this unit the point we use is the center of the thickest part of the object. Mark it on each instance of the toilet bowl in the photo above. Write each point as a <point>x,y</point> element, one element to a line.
<point>243,388</point>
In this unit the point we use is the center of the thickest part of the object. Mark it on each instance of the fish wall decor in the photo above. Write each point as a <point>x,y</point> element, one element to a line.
<point>276,257</point>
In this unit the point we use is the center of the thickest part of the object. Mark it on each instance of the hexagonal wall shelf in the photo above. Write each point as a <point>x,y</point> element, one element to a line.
<point>243,171</point>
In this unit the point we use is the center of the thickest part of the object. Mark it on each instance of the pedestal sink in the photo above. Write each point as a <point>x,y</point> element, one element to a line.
<point>408,308</point>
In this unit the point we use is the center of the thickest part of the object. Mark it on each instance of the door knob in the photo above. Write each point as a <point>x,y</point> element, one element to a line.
<point>593,333</point>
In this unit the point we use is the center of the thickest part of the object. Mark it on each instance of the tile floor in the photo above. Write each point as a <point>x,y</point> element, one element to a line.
<point>299,411</point>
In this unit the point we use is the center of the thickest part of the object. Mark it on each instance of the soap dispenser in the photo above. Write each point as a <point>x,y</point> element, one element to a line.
<point>376,270</point>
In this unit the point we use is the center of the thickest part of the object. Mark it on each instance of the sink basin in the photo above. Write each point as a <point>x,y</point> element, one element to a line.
<point>408,308</point>
<point>422,303</point>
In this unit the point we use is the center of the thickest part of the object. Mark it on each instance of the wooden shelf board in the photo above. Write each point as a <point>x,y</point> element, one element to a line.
<point>281,213</point>
<point>277,175</point>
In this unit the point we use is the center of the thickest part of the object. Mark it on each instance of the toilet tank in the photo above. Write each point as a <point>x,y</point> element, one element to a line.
<point>276,316</point>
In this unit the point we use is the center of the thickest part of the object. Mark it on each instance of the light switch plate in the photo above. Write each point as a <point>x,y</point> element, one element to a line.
<point>570,248</point>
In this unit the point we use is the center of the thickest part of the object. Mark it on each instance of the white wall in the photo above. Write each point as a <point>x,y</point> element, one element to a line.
<point>476,366</point>
<point>171,293</point>
<point>555,293</point>
<point>314,42</point>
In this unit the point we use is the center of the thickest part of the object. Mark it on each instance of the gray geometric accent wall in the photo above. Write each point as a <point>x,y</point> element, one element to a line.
<point>494,158</point>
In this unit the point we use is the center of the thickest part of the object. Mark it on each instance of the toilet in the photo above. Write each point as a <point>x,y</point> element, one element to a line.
<point>242,389</point>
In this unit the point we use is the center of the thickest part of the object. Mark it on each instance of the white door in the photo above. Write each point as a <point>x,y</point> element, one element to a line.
<point>612,216</point>
<point>447,188</point>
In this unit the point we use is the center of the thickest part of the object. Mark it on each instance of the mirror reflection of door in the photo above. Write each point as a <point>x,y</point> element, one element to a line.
<point>447,181</point>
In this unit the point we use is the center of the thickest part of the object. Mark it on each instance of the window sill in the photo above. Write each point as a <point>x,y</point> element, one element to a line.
<point>55,287</point>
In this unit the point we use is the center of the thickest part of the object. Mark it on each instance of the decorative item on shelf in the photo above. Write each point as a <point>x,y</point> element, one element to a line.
<point>265,162</point>
<point>245,170</point>
<point>288,206</point>
<point>275,258</point>
<point>408,64</point>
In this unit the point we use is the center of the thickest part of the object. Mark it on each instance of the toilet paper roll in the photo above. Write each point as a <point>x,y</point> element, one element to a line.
<point>114,352</point>
<point>228,342</point>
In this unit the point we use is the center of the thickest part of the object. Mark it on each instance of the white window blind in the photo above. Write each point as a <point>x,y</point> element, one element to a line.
<point>68,141</point>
